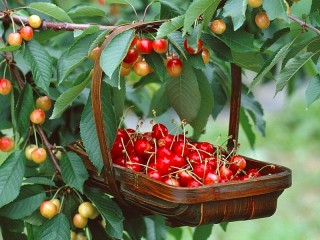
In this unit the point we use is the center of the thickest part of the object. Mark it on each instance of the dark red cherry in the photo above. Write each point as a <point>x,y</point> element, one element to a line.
<point>159,131</point>
<point>211,178</point>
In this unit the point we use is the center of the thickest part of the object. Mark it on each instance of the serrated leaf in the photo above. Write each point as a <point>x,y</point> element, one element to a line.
<point>4,48</point>
<point>77,53</point>
<point>218,47</point>
<point>38,180</point>
<point>57,228</point>
<point>198,8</point>
<point>155,226</point>
<point>275,9</point>
<point>236,9</point>
<point>11,175</point>
<point>276,36</point>
<point>313,90</point>
<point>66,99</point>
<point>86,11</point>
<point>291,68</point>
<point>206,105</point>
<point>25,204</point>
<point>115,51</point>
<point>52,10</point>
<point>169,9</point>
<point>40,63</point>
<point>175,39</point>
<point>184,94</point>
<point>159,101</point>
<point>115,79</point>
<point>220,96</point>
<point>88,130</point>
<point>269,63</point>
<point>247,128</point>
<point>74,173</point>
<point>25,106</point>
<point>118,99</point>
<point>171,26</point>
<point>109,210</point>
<point>239,41</point>
<point>202,232</point>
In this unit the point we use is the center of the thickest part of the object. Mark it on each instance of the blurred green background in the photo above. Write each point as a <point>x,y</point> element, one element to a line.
<point>292,140</point>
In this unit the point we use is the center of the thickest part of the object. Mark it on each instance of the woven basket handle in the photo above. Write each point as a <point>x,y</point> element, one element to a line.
<point>108,172</point>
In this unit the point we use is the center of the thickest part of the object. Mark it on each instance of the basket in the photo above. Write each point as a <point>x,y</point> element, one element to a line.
<point>215,203</point>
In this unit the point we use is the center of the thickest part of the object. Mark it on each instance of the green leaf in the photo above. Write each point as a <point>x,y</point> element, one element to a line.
<point>218,47</point>
<point>88,130</point>
<point>66,98</point>
<point>155,226</point>
<point>219,94</point>
<point>4,48</point>
<point>12,229</point>
<point>25,106</point>
<point>25,204</point>
<point>198,8</point>
<point>270,62</point>
<point>74,173</point>
<point>81,11</point>
<point>239,41</point>
<point>206,105</point>
<point>159,101</point>
<point>57,228</point>
<point>118,99</point>
<point>40,63</point>
<point>51,10</point>
<point>276,36</point>
<point>77,53</point>
<point>236,9</point>
<point>115,51</point>
<point>135,226</point>
<point>184,94</point>
<point>115,79</point>
<point>169,9</point>
<point>247,128</point>
<point>202,232</point>
<point>175,39</point>
<point>275,9</point>
<point>313,90</point>
<point>11,175</point>
<point>38,180</point>
<point>291,68</point>
<point>224,225</point>
<point>171,26</point>
<point>109,210</point>
<point>155,61</point>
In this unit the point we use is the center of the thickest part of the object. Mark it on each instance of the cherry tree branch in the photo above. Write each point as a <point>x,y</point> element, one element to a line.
<point>304,24</point>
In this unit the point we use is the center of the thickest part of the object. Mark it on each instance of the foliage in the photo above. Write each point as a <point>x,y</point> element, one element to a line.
<point>56,63</point>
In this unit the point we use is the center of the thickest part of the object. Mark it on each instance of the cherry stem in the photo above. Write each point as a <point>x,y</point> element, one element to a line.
<point>303,24</point>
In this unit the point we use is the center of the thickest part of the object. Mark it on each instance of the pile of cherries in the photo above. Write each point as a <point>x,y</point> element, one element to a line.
<point>176,160</point>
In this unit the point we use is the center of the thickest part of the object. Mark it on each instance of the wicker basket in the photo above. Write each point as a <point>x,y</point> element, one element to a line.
<point>223,202</point>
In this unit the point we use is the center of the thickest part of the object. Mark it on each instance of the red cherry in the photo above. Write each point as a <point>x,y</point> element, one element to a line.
<point>134,41</point>
<point>166,141</point>
<point>142,68</point>
<point>141,146</point>
<point>6,144</point>
<point>195,157</point>
<point>164,152</point>
<point>121,161</point>
<point>159,131</point>
<point>212,162</point>
<point>171,181</point>
<point>254,172</point>
<point>194,183</point>
<point>190,49</point>
<point>178,161</point>
<point>155,175</point>
<point>163,165</point>
<point>37,116</point>
<point>174,67</point>
<point>44,103</point>
<point>135,162</point>
<point>182,138</point>
<point>237,163</point>
<point>122,134</point>
<point>211,178</point>
<point>26,33</point>
<point>206,149</point>
<point>144,46</point>
<point>14,39</point>
<point>131,57</point>
<point>225,172</point>
<point>180,148</point>
<point>117,150</point>
<point>160,45</point>
<point>184,177</point>
<point>201,169</point>
<point>5,86</point>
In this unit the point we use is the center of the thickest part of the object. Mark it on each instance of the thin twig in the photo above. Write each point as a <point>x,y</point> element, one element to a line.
<point>304,24</point>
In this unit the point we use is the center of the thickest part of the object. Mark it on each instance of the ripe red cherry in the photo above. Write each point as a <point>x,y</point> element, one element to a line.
<point>26,33</point>
<point>44,103</point>
<point>131,57</point>
<point>178,161</point>
<point>160,45</point>
<point>211,178</point>
<point>37,116</point>
<point>171,181</point>
<point>141,146</point>
<point>164,152</point>
<point>39,155</point>
<point>121,161</point>
<point>117,149</point>
<point>212,161</point>
<point>122,135</point>
<point>237,163</point>
<point>14,39</point>
<point>159,131</point>
<point>253,172</point>
<point>134,162</point>
<point>195,157</point>
<point>184,177</point>
<point>6,144</point>
<point>225,173</point>
<point>144,46</point>
<point>194,183</point>
<point>166,141</point>
<point>134,41</point>
<point>154,175</point>
<point>142,68</point>
<point>190,49</point>
<point>5,86</point>
<point>174,67</point>
<point>201,169</point>
<point>163,165</point>
<point>206,149</point>
<point>180,148</point>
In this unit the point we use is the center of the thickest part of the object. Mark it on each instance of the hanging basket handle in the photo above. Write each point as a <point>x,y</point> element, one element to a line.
<point>108,172</point>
